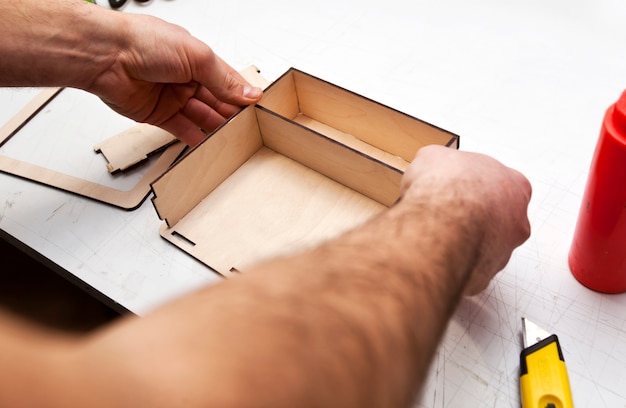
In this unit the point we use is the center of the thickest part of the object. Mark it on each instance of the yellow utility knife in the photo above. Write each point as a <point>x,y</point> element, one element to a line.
<point>543,376</point>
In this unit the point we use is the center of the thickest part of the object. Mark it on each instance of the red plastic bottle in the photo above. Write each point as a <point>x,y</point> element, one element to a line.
<point>597,257</point>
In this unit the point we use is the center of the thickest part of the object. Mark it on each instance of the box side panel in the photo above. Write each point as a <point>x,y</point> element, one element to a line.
<point>184,185</point>
<point>270,206</point>
<point>376,124</point>
<point>330,158</point>
<point>352,142</point>
<point>281,96</point>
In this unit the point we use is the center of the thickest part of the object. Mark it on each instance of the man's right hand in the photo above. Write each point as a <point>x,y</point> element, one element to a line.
<point>496,198</point>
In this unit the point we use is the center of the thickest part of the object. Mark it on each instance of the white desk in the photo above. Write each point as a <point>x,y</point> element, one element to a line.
<point>525,81</point>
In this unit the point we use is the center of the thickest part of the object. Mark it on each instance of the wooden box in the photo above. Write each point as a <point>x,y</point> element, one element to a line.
<point>306,163</point>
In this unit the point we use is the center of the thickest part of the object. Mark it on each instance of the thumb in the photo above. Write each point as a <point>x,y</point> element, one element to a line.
<point>226,84</point>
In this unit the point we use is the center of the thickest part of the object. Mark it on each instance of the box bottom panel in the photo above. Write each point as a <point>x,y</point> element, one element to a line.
<point>270,206</point>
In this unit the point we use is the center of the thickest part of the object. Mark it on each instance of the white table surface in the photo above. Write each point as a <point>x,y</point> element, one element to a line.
<point>524,81</point>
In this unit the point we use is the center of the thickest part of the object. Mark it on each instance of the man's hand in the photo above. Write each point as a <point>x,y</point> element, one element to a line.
<point>478,189</point>
<point>141,66</point>
<point>166,77</point>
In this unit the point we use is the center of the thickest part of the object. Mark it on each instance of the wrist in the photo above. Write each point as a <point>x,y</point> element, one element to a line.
<point>93,46</point>
<point>63,44</point>
<point>441,231</point>
<point>100,41</point>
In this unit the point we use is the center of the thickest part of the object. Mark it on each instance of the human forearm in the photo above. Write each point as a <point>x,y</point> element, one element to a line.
<point>378,301</point>
<point>348,324</point>
<point>351,323</point>
<point>34,368</point>
<point>56,43</point>
<point>142,67</point>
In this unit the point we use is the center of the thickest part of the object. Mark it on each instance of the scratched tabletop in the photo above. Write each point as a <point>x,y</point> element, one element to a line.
<point>527,82</point>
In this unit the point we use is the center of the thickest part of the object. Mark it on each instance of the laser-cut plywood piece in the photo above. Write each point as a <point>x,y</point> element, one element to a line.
<point>129,199</point>
<point>308,162</point>
<point>133,146</point>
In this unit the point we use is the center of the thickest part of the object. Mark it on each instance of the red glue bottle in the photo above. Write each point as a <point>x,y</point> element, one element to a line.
<point>597,257</point>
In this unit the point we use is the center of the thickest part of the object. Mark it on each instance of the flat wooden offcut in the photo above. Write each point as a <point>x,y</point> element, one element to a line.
<point>133,146</point>
<point>288,173</point>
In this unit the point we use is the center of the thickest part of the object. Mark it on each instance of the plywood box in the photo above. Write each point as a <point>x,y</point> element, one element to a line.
<point>305,164</point>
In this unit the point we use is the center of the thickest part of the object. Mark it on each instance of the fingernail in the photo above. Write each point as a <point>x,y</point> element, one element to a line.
<point>252,92</point>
